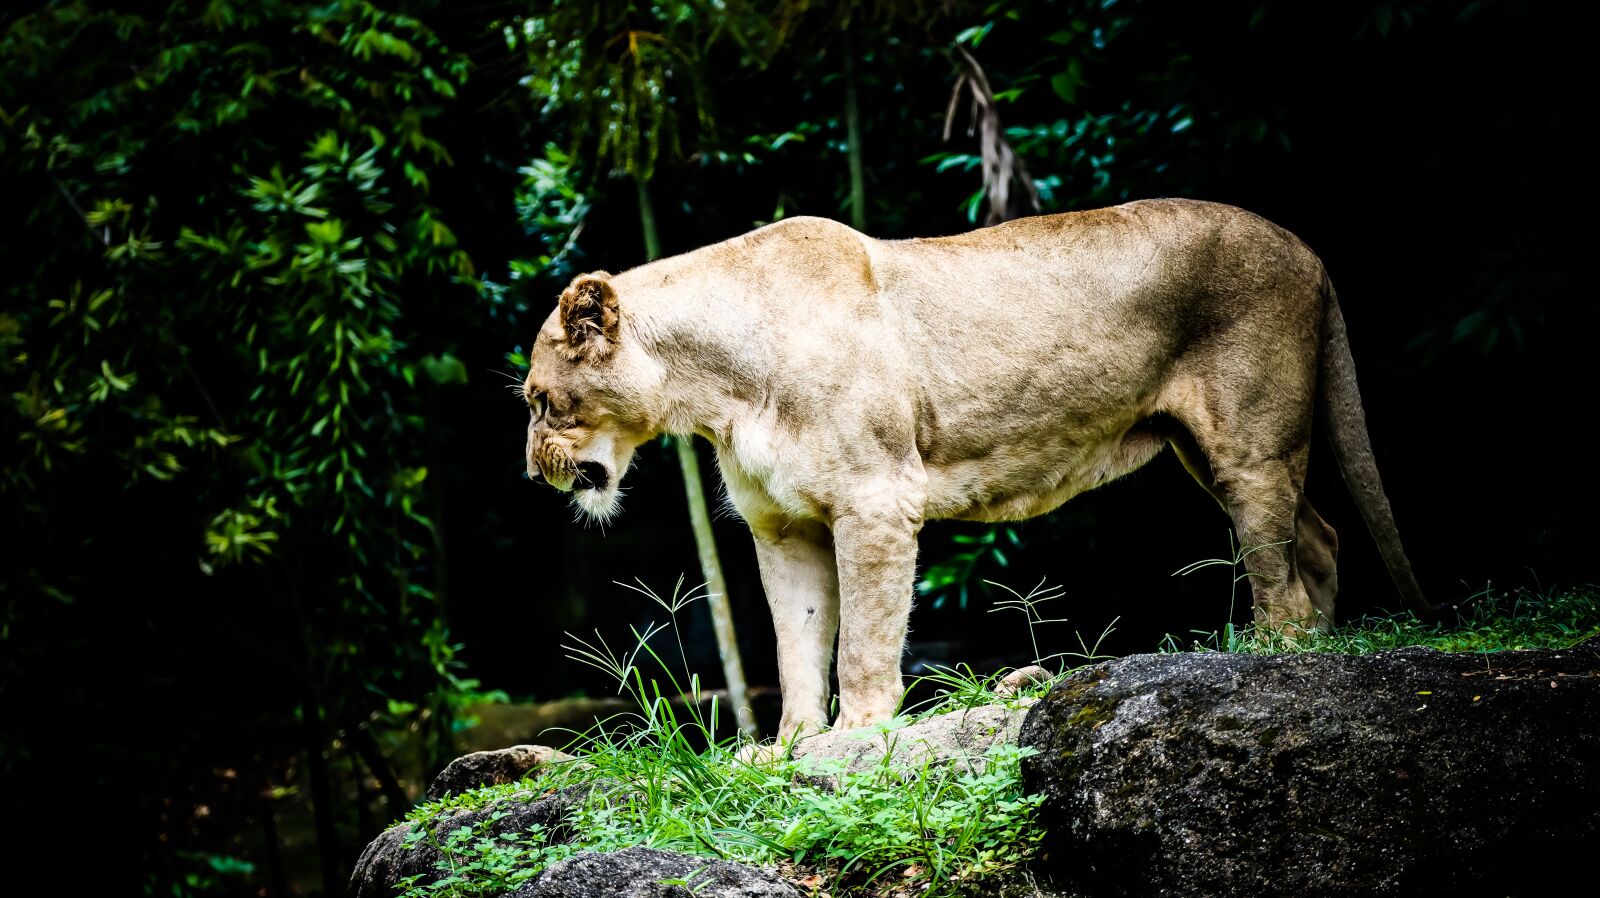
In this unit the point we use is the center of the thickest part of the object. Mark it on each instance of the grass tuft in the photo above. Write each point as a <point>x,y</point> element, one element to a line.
<point>652,777</point>
<point>1489,621</point>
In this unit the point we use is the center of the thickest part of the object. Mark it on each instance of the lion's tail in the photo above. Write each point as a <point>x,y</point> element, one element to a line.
<point>1352,447</point>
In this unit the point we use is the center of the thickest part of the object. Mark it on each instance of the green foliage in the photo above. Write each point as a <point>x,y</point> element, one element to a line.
<point>552,208</point>
<point>203,873</point>
<point>475,862</point>
<point>213,342</point>
<point>286,257</point>
<point>1489,621</point>
<point>956,574</point>
<point>655,778</point>
<point>1092,147</point>
<point>622,73</point>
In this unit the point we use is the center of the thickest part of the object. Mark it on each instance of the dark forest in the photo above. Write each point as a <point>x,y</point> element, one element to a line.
<point>270,268</point>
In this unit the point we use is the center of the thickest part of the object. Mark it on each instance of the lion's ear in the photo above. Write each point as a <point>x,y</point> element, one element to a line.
<point>589,315</point>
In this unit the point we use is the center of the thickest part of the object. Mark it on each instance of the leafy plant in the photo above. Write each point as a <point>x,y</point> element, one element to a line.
<point>207,366</point>
<point>955,574</point>
<point>476,861</point>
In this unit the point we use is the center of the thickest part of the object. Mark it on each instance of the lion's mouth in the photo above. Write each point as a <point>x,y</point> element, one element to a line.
<point>591,476</point>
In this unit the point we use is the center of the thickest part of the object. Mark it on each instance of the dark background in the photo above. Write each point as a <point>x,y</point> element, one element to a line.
<point>1429,152</point>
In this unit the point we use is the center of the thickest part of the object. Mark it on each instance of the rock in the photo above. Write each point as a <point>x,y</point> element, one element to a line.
<point>508,723</point>
<point>1409,772</point>
<point>1020,679</point>
<point>955,737</point>
<point>389,859</point>
<point>492,768</point>
<point>651,873</point>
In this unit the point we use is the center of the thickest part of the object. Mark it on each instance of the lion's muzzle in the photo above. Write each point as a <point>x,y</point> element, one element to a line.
<point>548,460</point>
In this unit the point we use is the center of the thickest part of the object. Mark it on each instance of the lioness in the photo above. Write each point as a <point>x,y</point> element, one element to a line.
<point>854,388</point>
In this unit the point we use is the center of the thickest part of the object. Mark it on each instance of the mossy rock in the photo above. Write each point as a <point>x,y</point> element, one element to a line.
<point>1409,772</point>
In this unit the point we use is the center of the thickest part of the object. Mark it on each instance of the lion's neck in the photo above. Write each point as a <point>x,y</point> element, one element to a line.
<point>712,350</point>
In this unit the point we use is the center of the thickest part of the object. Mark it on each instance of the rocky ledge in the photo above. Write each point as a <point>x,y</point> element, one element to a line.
<point>398,854</point>
<point>651,873</point>
<point>395,856</point>
<point>957,737</point>
<point>493,768</point>
<point>1410,772</point>
<point>1406,773</point>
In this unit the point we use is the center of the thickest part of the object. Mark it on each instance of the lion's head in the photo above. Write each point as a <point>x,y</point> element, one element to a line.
<point>593,394</point>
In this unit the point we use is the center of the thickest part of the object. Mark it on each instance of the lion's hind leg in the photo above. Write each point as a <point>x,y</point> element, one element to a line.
<point>1251,455</point>
<point>1263,498</point>
<point>1316,544</point>
<point>1316,553</point>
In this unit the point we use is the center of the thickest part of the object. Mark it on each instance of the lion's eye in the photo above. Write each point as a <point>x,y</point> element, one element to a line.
<point>536,405</point>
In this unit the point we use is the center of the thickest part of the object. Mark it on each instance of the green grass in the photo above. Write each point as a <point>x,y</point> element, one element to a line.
<point>1487,622</point>
<point>884,830</point>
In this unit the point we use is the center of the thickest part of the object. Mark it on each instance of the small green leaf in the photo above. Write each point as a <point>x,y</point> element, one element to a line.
<point>1065,86</point>
<point>444,369</point>
<point>975,34</point>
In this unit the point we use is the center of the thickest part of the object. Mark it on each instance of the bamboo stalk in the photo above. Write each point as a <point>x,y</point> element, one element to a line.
<point>852,131</point>
<point>700,521</point>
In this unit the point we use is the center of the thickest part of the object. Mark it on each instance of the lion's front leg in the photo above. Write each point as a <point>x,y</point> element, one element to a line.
<point>802,585</point>
<point>877,551</point>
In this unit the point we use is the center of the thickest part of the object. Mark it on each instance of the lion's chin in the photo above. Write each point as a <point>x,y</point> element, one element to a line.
<point>598,506</point>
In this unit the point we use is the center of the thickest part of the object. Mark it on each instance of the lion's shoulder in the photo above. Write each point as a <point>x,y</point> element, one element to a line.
<point>819,252</point>
<point>803,229</point>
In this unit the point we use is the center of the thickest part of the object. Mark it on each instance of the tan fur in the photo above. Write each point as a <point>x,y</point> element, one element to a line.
<point>854,388</point>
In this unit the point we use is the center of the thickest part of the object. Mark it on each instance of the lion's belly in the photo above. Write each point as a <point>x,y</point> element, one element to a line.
<point>1013,483</point>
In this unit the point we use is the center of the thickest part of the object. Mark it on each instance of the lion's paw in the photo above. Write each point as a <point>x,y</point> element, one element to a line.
<point>762,754</point>
<point>858,721</point>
